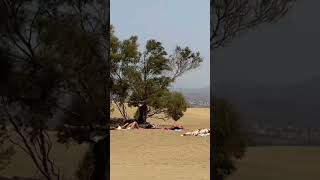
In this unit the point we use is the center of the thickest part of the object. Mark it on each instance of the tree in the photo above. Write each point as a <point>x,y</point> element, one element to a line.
<point>143,78</point>
<point>229,20</point>
<point>80,40</point>
<point>29,84</point>
<point>123,55</point>
<point>52,50</point>
<point>230,140</point>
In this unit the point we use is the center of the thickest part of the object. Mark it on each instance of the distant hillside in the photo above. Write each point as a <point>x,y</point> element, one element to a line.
<point>197,97</point>
<point>279,105</point>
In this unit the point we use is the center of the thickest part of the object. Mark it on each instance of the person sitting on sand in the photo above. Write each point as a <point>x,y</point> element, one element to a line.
<point>133,125</point>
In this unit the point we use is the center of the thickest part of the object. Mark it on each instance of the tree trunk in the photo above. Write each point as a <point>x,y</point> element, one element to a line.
<point>143,111</point>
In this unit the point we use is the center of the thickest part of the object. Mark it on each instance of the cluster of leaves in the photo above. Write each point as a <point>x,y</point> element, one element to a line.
<point>230,141</point>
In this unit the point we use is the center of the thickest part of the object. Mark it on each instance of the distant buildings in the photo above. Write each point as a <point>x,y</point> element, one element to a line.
<point>290,135</point>
<point>199,103</point>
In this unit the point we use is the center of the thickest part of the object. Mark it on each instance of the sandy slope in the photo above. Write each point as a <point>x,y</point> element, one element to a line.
<point>279,163</point>
<point>67,159</point>
<point>160,154</point>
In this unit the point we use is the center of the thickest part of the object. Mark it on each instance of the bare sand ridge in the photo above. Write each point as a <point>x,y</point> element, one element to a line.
<point>160,154</point>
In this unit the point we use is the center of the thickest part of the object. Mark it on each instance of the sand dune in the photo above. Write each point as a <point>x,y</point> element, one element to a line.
<point>160,154</point>
<point>279,163</point>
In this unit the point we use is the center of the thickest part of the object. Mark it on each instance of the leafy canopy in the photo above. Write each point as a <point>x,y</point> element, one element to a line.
<point>143,78</point>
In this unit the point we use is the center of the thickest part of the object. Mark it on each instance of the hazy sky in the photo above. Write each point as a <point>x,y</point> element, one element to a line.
<point>278,53</point>
<point>172,22</point>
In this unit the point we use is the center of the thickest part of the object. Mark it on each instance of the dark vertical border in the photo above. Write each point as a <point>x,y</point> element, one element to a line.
<point>212,120</point>
<point>101,148</point>
<point>108,94</point>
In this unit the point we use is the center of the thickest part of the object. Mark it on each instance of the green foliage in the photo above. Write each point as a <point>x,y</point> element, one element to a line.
<point>230,141</point>
<point>176,105</point>
<point>143,78</point>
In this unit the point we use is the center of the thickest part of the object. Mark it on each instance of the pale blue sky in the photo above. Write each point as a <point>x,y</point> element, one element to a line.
<point>172,22</point>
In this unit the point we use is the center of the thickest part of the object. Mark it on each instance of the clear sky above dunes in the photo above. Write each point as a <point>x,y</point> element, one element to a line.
<point>173,22</point>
